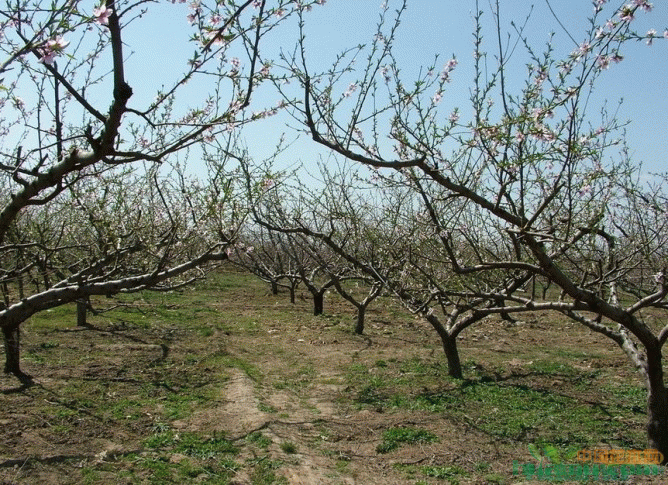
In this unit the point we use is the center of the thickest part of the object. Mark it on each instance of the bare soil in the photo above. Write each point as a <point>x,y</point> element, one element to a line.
<point>287,390</point>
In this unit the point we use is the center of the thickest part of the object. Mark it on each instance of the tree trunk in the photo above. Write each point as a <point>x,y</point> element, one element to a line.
<point>452,354</point>
<point>504,315</point>
<point>82,307</point>
<point>449,347</point>
<point>274,288</point>
<point>359,327</point>
<point>292,294</point>
<point>657,405</point>
<point>318,303</point>
<point>12,347</point>
<point>19,285</point>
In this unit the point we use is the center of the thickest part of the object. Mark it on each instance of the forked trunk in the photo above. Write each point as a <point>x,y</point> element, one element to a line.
<point>449,347</point>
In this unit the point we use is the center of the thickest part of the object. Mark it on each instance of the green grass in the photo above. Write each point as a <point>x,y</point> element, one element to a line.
<point>289,447</point>
<point>393,438</point>
<point>546,400</point>
<point>259,439</point>
<point>550,367</point>
<point>264,472</point>
<point>163,470</point>
<point>501,409</point>
<point>451,472</point>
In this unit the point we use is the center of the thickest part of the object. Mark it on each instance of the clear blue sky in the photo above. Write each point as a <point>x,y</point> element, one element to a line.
<point>432,27</point>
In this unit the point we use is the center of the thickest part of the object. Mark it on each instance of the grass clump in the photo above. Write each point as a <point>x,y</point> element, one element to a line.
<point>393,438</point>
<point>441,472</point>
<point>259,439</point>
<point>289,447</point>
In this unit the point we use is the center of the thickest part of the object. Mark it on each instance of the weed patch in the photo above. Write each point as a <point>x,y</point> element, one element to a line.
<point>395,437</point>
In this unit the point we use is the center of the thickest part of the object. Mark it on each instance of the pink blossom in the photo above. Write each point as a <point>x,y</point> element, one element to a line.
<point>385,71</point>
<point>216,36</point>
<point>447,69</point>
<point>583,48</point>
<point>544,134</point>
<point>279,13</point>
<point>48,58</point>
<point>236,63</point>
<point>454,116</point>
<point>437,98</point>
<point>301,6</point>
<point>643,4</point>
<point>603,62</point>
<point>651,33</point>
<point>52,48</point>
<point>566,68</point>
<point>626,13</point>
<point>586,189</point>
<point>351,89</point>
<point>102,15</point>
<point>57,44</point>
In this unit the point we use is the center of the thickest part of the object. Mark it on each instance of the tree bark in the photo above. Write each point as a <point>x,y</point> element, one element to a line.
<point>274,288</point>
<point>12,352</point>
<point>452,354</point>
<point>449,347</point>
<point>82,307</point>
<point>657,405</point>
<point>292,294</point>
<point>359,327</point>
<point>318,303</point>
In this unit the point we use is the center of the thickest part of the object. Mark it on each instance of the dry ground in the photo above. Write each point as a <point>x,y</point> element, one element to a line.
<point>226,383</point>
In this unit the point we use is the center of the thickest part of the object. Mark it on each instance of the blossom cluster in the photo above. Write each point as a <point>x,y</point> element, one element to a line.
<point>52,48</point>
<point>444,76</point>
<point>270,112</point>
<point>351,89</point>
<point>102,14</point>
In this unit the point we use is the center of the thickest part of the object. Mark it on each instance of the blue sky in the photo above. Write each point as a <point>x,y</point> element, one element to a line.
<point>431,27</point>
